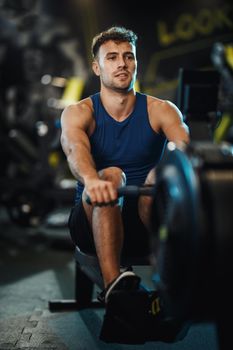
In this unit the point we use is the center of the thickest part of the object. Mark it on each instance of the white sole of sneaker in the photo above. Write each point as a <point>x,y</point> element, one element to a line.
<point>131,282</point>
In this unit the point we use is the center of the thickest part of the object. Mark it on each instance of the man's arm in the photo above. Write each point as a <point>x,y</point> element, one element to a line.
<point>76,122</point>
<point>172,124</point>
<point>166,117</point>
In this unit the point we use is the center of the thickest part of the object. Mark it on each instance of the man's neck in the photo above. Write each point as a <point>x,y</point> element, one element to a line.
<point>118,105</point>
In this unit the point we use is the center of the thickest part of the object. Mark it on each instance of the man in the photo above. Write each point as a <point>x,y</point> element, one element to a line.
<point>114,137</point>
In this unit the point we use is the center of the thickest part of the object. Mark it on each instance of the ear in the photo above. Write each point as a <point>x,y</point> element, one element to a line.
<point>95,68</point>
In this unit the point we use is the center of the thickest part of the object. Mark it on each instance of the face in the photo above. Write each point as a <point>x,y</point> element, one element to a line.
<point>116,65</point>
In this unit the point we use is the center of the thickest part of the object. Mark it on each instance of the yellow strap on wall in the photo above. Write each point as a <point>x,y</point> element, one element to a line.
<point>53,159</point>
<point>229,55</point>
<point>221,131</point>
<point>73,90</point>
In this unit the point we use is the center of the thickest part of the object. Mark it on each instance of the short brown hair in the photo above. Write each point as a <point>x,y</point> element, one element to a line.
<point>120,34</point>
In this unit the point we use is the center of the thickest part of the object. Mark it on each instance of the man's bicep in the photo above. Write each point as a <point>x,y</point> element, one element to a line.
<point>173,125</point>
<point>74,117</point>
<point>177,132</point>
<point>74,126</point>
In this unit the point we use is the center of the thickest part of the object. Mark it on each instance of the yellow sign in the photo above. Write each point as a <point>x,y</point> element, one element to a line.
<point>188,25</point>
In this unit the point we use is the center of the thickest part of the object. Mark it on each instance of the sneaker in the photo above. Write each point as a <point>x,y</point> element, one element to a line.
<point>125,268</point>
<point>126,281</point>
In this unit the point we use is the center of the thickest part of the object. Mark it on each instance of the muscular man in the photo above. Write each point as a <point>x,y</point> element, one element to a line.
<point>113,137</point>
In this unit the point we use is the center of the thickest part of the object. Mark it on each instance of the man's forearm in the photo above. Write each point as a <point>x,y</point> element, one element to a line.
<point>82,164</point>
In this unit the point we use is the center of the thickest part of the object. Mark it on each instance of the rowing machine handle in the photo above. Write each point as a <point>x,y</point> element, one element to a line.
<point>132,191</point>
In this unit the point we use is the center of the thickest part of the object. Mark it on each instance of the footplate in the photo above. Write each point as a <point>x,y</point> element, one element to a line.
<point>137,317</point>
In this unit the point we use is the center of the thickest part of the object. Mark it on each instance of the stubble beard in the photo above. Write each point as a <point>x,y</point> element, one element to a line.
<point>118,87</point>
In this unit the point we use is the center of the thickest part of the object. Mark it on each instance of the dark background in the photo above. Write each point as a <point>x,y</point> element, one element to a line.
<point>46,43</point>
<point>172,34</point>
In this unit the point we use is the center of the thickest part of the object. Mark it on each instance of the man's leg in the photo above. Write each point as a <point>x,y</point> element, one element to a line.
<point>145,202</point>
<point>106,223</point>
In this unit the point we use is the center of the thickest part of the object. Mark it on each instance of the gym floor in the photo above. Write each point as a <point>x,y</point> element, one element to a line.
<point>36,266</point>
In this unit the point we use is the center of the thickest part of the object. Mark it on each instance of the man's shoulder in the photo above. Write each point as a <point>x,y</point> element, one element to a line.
<point>158,103</point>
<point>161,104</point>
<point>83,106</point>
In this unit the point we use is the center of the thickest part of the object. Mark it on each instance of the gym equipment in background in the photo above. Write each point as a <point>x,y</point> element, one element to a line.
<point>198,101</point>
<point>192,242</point>
<point>222,59</point>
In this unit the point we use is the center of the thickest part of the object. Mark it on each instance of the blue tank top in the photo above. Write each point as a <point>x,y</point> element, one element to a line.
<point>131,144</point>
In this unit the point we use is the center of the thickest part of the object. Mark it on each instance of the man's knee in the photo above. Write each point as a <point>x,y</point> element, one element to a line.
<point>117,176</point>
<point>113,174</point>
<point>145,202</point>
<point>151,177</point>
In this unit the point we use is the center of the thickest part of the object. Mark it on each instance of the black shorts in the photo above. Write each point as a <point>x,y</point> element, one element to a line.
<point>136,237</point>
